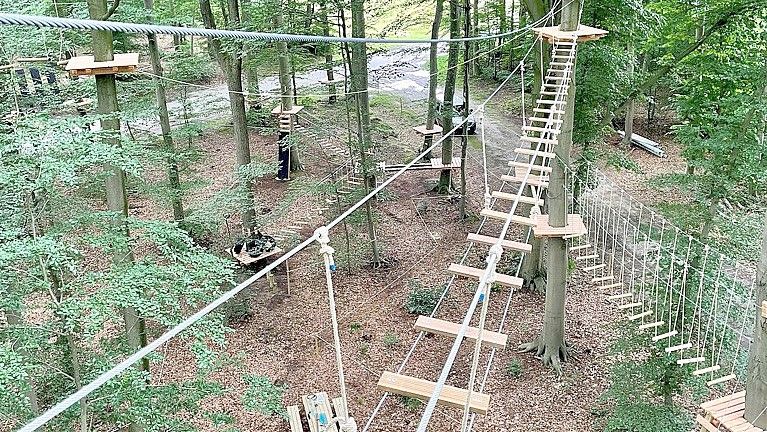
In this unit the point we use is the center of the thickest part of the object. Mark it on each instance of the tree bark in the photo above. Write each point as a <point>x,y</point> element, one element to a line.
<point>445,176</point>
<point>465,137</point>
<point>286,91</point>
<point>550,345</point>
<point>431,110</point>
<point>756,380</point>
<point>628,124</point>
<point>359,82</point>
<point>167,138</point>
<point>474,32</point>
<point>232,68</point>
<point>325,23</point>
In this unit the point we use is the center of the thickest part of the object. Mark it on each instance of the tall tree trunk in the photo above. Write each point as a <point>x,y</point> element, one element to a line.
<point>431,110</point>
<point>445,180</point>
<point>167,137</point>
<point>465,137</point>
<point>325,23</point>
<point>536,9</point>
<point>231,65</point>
<point>13,319</point>
<point>475,45</point>
<point>286,91</point>
<point>250,65</point>
<point>116,195</point>
<point>628,124</point>
<point>550,345</point>
<point>756,380</point>
<point>359,81</point>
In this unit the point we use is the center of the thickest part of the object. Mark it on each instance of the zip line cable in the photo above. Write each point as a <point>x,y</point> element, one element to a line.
<point>41,21</point>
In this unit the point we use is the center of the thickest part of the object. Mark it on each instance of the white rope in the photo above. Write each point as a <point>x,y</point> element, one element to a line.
<point>488,197</point>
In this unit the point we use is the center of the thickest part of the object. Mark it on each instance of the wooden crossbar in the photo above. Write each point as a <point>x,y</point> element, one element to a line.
<point>473,272</point>
<point>640,315</point>
<point>614,285</point>
<point>672,333</point>
<point>581,247</point>
<point>538,129</point>
<point>499,215</point>
<point>620,296</point>
<point>544,120</point>
<point>586,257</point>
<point>675,348</point>
<point>548,111</point>
<point>521,198</point>
<point>536,140</point>
<point>704,371</point>
<point>421,389</point>
<point>532,179</point>
<point>690,360</point>
<point>595,267</point>
<point>651,325</point>
<point>722,400</point>
<point>706,424</point>
<point>602,278</point>
<point>630,305</point>
<point>526,165</point>
<point>447,328</point>
<point>294,418</point>
<point>534,153</point>
<point>721,380</point>
<point>506,244</point>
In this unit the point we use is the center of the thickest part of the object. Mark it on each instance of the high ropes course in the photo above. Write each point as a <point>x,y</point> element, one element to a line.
<point>653,293</point>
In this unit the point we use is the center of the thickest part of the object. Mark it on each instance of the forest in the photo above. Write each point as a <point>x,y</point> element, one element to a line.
<point>369,215</point>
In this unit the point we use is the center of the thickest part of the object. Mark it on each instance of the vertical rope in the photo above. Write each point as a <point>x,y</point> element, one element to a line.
<point>488,197</point>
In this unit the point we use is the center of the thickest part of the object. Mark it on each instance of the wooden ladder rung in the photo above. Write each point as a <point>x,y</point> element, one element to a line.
<point>521,198</point>
<point>506,244</point>
<point>532,180</point>
<point>544,120</point>
<point>602,278</point>
<point>447,328</point>
<point>704,371</point>
<point>501,216</point>
<point>557,70</point>
<point>548,111</point>
<point>538,129</point>
<point>294,418</point>
<point>421,389</point>
<point>540,140</point>
<point>723,400</point>
<point>561,64</point>
<point>595,267</point>
<point>690,360</point>
<point>640,315</point>
<point>651,325</point>
<point>620,296</point>
<point>721,380</point>
<point>534,153</point>
<point>526,165</point>
<point>630,305</point>
<point>586,257</point>
<point>579,247</point>
<point>659,337</point>
<point>473,272</point>
<point>675,348</point>
<point>613,285</point>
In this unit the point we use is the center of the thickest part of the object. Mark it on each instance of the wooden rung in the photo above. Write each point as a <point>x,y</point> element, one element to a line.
<point>651,325</point>
<point>690,360</point>
<point>552,70</point>
<point>521,198</point>
<point>630,305</point>
<point>534,153</point>
<point>473,272</point>
<point>602,278</point>
<point>341,409</point>
<point>672,333</point>
<point>539,140</point>
<point>595,267</point>
<point>544,120</point>
<point>580,247</point>
<point>294,418</point>
<point>586,257</point>
<point>706,424</point>
<point>675,348</point>
<point>704,371</point>
<point>640,315</point>
<point>539,129</point>
<point>713,403</point>
<point>532,180</point>
<point>499,215</point>
<point>548,111</point>
<point>526,165</point>
<point>506,244</point>
<point>561,64</point>
<point>720,380</point>
<point>421,389</point>
<point>447,328</point>
<point>614,285</point>
<point>620,296</point>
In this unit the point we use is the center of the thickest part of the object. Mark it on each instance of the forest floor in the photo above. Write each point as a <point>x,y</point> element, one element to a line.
<point>287,336</point>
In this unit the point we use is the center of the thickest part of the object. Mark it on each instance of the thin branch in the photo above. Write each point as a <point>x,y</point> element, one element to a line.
<point>111,10</point>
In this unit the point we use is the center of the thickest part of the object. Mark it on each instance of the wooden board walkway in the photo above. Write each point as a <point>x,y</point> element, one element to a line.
<point>422,389</point>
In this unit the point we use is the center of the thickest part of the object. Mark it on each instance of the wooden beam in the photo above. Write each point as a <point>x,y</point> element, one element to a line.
<point>447,328</point>
<point>473,272</point>
<point>506,244</point>
<point>294,418</point>
<point>521,198</point>
<point>499,215</point>
<point>421,389</point>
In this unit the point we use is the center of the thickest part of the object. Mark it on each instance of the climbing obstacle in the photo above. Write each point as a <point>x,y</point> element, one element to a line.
<point>726,412</point>
<point>319,414</point>
<point>88,66</point>
<point>423,130</point>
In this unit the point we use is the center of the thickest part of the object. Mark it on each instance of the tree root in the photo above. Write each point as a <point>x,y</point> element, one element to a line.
<point>552,356</point>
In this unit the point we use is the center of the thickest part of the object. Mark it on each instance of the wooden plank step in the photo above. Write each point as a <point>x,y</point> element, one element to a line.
<point>614,285</point>
<point>620,296</point>
<point>532,180</point>
<point>421,389</point>
<point>537,129</point>
<point>447,328</point>
<point>721,380</point>
<point>651,325</point>
<point>561,63</point>
<point>676,348</point>
<point>550,102</point>
<point>525,165</point>
<point>534,153</point>
<point>544,120</point>
<point>506,244</point>
<point>640,315</point>
<point>690,360</point>
<point>706,424</point>
<point>579,247</point>
<point>704,371</point>
<point>473,272</point>
<point>595,267</point>
<point>548,111</point>
<point>501,216</point>
<point>719,401</point>
<point>521,198</point>
<point>540,140</point>
<point>552,70</point>
<point>586,257</point>
<point>659,337</point>
<point>294,418</point>
<point>602,278</point>
<point>630,305</point>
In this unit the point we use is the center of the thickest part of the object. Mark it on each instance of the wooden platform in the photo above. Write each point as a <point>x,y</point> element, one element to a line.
<point>726,413</point>
<point>293,111</point>
<point>476,273</point>
<point>573,228</point>
<point>583,34</point>
<point>422,389</point>
<point>506,244</point>
<point>434,163</point>
<point>423,131</point>
<point>447,328</point>
<point>246,259</point>
<point>87,65</point>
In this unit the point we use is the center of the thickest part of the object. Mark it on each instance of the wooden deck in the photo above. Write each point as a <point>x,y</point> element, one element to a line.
<point>726,414</point>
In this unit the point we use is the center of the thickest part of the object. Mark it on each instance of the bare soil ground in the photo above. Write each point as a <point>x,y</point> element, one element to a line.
<point>288,337</point>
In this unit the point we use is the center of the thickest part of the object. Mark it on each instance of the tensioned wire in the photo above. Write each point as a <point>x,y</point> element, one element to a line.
<point>41,21</point>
